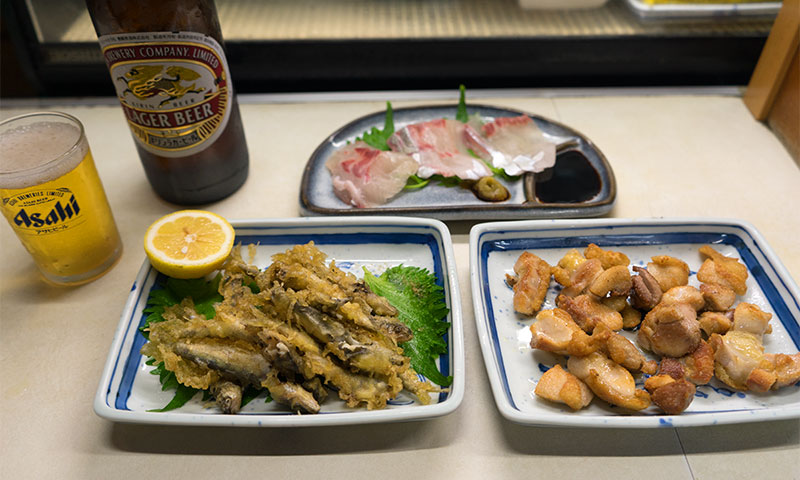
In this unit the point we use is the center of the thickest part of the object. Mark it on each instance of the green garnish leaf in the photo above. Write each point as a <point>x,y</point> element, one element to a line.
<point>168,381</point>
<point>376,137</point>
<point>414,182</point>
<point>250,393</point>
<point>182,395</point>
<point>420,304</point>
<point>461,112</point>
<point>203,293</point>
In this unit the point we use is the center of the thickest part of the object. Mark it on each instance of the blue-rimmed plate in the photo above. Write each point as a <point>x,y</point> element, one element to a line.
<point>514,368</point>
<point>127,390</point>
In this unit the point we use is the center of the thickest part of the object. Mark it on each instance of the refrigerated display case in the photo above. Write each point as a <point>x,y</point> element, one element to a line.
<point>341,45</point>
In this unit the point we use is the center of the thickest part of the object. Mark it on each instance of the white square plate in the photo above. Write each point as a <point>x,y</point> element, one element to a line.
<point>514,368</point>
<point>127,390</point>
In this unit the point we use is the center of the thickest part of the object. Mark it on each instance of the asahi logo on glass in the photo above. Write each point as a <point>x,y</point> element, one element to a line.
<point>44,211</point>
<point>173,88</point>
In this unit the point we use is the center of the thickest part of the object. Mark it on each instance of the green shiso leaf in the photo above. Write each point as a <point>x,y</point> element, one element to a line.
<point>168,381</point>
<point>376,137</point>
<point>461,112</point>
<point>420,304</point>
<point>204,294</point>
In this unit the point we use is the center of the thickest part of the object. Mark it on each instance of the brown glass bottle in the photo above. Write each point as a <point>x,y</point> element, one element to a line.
<point>167,77</point>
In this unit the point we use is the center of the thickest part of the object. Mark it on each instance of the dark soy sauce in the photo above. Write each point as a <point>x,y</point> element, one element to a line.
<point>571,180</point>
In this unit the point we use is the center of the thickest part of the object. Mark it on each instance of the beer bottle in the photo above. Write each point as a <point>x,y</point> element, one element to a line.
<point>171,76</point>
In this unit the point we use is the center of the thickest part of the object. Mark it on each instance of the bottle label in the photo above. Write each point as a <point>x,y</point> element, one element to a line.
<point>174,88</point>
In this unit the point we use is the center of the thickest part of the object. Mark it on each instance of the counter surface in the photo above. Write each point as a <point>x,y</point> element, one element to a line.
<point>673,156</point>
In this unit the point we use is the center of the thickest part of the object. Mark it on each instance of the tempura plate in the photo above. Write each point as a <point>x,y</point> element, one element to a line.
<point>127,390</point>
<point>514,368</point>
<point>453,203</point>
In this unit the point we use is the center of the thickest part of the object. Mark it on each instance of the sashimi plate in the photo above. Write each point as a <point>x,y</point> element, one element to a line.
<point>128,392</point>
<point>514,368</point>
<point>579,163</point>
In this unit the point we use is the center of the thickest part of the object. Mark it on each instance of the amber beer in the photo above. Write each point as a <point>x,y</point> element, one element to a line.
<point>53,199</point>
<point>171,76</point>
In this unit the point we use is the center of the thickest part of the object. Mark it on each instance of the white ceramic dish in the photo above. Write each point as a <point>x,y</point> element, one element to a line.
<point>514,368</point>
<point>127,390</point>
<point>688,11</point>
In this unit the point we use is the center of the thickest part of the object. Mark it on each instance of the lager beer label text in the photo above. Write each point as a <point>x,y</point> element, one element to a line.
<point>173,88</point>
<point>43,211</point>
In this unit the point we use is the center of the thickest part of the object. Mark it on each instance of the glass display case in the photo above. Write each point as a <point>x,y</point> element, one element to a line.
<point>341,45</point>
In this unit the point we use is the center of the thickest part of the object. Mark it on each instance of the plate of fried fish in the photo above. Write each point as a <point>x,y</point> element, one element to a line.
<point>310,322</point>
<point>465,162</point>
<point>635,323</point>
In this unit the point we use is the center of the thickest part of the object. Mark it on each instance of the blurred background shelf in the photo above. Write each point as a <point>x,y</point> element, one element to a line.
<point>346,45</point>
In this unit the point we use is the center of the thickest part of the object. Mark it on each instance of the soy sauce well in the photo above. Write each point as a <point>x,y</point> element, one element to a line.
<point>571,180</point>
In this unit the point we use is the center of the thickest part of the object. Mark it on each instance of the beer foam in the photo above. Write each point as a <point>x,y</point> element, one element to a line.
<point>27,153</point>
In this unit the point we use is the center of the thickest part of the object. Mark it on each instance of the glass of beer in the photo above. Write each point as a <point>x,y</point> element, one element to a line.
<point>53,199</point>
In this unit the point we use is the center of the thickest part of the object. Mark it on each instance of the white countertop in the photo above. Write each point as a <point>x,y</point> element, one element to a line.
<point>674,155</point>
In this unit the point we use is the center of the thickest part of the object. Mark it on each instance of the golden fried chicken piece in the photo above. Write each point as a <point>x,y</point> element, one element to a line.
<point>608,258</point>
<point>623,351</point>
<point>588,312</point>
<point>671,395</point>
<point>567,266</point>
<point>530,284</point>
<point>668,271</point>
<point>558,385</point>
<point>721,270</point>
<point>684,294</point>
<point>555,331</point>
<point>698,366</point>
<point>609,381</point>
<point>718,297</point>
<point>631,318</point>
<point>645,290</point>
<point>582,277</point>
<point>615,280</point>
<point>739,353</point>
<point>786,368</point>
<point>736,355</point>
<point>715,322</point>
<point>671,330</point>
<point>615,302</point>
<point>749,318</point>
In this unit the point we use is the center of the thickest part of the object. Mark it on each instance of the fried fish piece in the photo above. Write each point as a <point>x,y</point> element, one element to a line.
<point>294,328</point>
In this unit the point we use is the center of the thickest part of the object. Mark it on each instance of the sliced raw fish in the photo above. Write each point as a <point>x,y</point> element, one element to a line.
<point>440,148</point>
<point>514,144</point>
<point>364,176</point>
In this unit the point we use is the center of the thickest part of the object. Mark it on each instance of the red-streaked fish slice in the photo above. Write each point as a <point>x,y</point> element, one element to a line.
<point>514,144</point>
<point>364,176</point>
<point>440,148</point>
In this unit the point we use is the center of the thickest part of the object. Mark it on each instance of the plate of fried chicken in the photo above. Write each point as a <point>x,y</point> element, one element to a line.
<point>635,322</point>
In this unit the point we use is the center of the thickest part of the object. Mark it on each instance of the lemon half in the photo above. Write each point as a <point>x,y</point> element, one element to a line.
<point>188,243</point>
